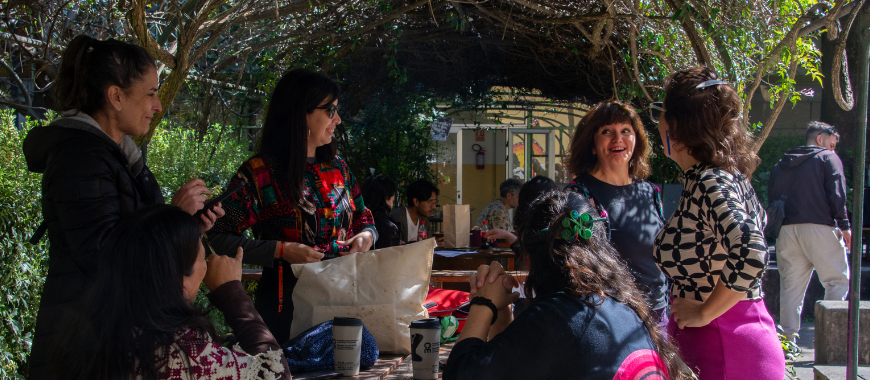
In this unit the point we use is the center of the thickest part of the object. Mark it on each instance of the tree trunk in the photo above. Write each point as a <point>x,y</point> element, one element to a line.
<point>831,113</point>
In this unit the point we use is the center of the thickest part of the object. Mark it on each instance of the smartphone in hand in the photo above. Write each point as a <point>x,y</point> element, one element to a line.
<point>209,204</point>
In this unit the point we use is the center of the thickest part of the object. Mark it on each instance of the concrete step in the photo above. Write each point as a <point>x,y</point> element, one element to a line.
<point>838,372</point>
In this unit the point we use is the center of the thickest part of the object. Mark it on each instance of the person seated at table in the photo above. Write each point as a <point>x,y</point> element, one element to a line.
<point>136,323</point>
<point>585,321</point>
<point>496,213</point>
<point>528,193</point>
<point>300,199</point>
<point>379,192</point>
<point>609,154</point>
<point>422,196</point>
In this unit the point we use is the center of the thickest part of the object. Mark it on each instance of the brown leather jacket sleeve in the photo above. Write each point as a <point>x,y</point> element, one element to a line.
<point>248,327</point>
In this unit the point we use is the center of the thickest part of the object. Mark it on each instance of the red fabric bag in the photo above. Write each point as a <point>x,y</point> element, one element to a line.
<point>448,302</point>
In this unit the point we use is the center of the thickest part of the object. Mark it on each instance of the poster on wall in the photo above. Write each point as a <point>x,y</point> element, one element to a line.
<point>441,128</point>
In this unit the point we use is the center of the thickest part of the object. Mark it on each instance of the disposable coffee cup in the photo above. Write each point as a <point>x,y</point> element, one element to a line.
<point>425,344</point>
<point>346,343</point>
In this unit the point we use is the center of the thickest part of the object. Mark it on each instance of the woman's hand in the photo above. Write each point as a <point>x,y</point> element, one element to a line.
<point>498,233</point>
<point>361,242</point>
<point>207,219</point>
<point>223,269</point>
<point>500,295</point>
<point>296,253</point>
<point>689,313</point>
<point>191,196</point>
<point>489,274</point>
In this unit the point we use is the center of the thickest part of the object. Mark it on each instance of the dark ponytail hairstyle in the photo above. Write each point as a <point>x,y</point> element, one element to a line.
<point>285,130</point>
<point>375,191</point>
<point>89,66</point>
<point>136,303</point>
<point>584,267</point>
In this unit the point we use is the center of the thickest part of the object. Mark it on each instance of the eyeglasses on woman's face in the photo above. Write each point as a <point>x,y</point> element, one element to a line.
<point>332,109</point>
<point>656,110</point>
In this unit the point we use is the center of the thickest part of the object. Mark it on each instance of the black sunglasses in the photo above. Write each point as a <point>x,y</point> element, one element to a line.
<point>656,110</point>
<point>332,109</point>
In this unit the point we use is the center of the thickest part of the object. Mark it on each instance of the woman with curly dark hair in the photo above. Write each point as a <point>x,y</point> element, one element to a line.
<point>585,321</point>
<point>609,155</point>
<point>712,248</point>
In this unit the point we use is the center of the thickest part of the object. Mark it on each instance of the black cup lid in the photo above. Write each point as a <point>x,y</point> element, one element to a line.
<point>427,323</point>
<point>346,321</point>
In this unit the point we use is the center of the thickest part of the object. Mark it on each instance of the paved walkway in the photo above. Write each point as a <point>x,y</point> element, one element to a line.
<point>804,365</point>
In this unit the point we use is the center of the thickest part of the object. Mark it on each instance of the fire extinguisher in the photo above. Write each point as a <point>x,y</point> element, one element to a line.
<point>481,155</point>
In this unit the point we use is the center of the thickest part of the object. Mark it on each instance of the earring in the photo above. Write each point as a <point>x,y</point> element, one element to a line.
<point>668,138</point>
<point>119,108</point>
<point>309,133</point>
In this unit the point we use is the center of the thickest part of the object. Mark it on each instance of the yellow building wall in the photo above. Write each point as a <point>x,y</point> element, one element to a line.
<point>480,186</point>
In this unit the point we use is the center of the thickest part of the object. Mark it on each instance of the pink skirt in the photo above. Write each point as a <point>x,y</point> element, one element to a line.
<point>740,344</point>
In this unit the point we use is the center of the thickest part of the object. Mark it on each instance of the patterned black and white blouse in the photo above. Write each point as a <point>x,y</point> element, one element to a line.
<point>714,235</point>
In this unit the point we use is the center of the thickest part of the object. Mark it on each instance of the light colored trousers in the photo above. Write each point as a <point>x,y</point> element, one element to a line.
<point>801,247</point>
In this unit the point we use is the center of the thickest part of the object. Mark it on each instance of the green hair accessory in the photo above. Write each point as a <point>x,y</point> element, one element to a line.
<point>577,225</point>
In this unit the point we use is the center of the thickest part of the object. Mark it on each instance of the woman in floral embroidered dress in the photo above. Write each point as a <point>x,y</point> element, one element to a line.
<point>300,199</point>
<point>136,323</point>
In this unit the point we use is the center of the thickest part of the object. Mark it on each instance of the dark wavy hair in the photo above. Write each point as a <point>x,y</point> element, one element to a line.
<point>285,130</point>
<point>89,66</point>
<point>136,303</point>
<point>584,267</point>
<point>707,121</point>
<point>580,159</point>
<point>528,193</point>
<point>375,191</point>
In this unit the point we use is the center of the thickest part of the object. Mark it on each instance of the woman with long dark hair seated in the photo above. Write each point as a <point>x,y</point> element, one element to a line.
<point>379,194</point>
<point>585,320</point>
<point>300,199</point>
<point>138,320</point>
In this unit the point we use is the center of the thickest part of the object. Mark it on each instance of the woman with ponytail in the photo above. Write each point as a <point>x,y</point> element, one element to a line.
<point>93,173</point>
<point>712,248</point>
<point>585,321</point>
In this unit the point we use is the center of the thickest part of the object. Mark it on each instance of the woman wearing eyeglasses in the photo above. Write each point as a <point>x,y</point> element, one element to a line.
<point>300,199</point>
<point>712,247</point>
<point>609,155</point>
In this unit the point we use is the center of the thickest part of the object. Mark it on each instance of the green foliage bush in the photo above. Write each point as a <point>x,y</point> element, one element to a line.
<point>22,266</point>
<point>176,155</point>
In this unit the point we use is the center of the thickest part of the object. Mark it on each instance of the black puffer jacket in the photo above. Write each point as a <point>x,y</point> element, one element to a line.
<point>88,185</point>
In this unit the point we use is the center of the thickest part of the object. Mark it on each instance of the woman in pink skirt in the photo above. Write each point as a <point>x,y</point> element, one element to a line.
<point>712,247</point>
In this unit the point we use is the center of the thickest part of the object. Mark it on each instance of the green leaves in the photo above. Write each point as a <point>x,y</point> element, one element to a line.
<point>22,266</point>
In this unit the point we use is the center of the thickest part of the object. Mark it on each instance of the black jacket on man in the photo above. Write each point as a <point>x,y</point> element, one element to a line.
<point>812,179</point>
<point>89,183</point>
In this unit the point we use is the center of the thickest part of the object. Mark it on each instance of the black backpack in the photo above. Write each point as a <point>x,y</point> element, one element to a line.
<point>775,215</point>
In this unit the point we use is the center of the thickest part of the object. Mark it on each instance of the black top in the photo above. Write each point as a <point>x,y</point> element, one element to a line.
<point>812,178</point>
<point>388,230</point>
<point>635,218</point>
<point>88,186</point>
<point>559,336</point>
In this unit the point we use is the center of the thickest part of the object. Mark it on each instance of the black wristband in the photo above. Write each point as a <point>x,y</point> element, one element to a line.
<point>488,303</point>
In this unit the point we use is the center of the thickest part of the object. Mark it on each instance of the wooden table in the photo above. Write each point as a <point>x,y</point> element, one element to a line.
<point>439,277</point>
<point>391,367</point>
<point>469,261</point>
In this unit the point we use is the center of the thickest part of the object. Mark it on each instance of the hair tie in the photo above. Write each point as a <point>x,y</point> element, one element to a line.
<point>711,82</point>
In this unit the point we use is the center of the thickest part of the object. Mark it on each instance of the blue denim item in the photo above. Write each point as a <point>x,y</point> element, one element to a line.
<point>312,350</point>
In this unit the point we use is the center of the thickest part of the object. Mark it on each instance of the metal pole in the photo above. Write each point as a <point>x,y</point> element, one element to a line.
<point>858,200</point>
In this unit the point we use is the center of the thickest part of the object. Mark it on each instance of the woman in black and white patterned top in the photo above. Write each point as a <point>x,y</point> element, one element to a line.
<point>712,248</point>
